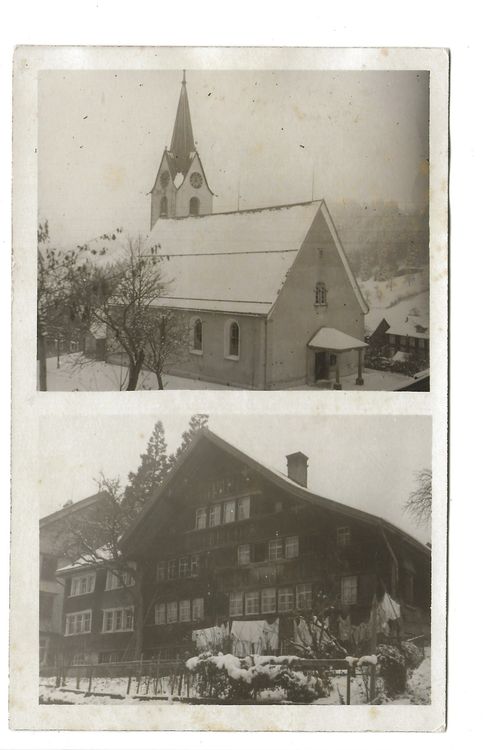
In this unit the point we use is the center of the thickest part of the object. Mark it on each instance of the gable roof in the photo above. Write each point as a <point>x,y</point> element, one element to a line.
<point>237,261</point>
<point>276,477</point>
<point>68,510</point>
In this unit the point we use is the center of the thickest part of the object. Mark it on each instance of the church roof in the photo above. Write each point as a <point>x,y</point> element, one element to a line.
<point>231,262</point>
<point>182,146</point>
<point>236,261</point>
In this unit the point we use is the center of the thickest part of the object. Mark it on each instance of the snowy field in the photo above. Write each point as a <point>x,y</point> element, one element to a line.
<point>77,373</point>
<point>385,294</point>
<point>113,690</point>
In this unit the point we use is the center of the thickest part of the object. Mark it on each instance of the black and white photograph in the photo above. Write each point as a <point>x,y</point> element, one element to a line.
<point>224,565</point>
<point>244,229</point>
<point>229,439</point>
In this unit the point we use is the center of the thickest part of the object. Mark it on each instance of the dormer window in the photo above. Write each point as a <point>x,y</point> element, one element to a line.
<point>320,293</point>
<point>164,206</point>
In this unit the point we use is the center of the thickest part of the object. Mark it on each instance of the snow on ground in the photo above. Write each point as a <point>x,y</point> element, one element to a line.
<point>77,373</point>
<point>384,294</point>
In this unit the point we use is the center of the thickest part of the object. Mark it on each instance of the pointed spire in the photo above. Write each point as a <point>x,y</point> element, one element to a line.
<point>182,144</point>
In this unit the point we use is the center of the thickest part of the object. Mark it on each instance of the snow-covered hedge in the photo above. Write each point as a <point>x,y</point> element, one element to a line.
<point>231,678</point>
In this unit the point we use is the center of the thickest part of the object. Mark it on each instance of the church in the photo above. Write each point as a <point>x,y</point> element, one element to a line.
<point>267,294</point>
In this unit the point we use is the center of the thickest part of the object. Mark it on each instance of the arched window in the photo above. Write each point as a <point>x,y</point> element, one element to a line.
<point>320,294</point>
<point>231,339</point>
<point>194,206</point>
<point>164,206</point>
<point>197,335</point>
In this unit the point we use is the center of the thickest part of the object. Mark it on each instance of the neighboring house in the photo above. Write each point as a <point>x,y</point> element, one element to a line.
<point>95,342</point>
<point>409,336</point>
<point>55,539</point>
<point>267,294</point>
<point>228,540</point>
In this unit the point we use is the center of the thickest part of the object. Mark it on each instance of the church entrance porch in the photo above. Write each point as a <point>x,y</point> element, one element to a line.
<point>328,351</point>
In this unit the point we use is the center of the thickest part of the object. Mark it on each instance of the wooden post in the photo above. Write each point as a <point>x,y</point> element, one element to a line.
<point>360,379</point>
<point>90,678</point>
<point>157,674</point>
<point>337,386</point>
<point>348,684</point>
<point>129,684</point>
<point>373,646</point>
<point>78,678</point>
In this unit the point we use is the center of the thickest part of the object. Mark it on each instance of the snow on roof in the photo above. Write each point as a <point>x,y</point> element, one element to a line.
<point>403,317</point>
<point>335,340</point>
<point>259,230</point>
<point>101,554</point>
<point>242,282</point>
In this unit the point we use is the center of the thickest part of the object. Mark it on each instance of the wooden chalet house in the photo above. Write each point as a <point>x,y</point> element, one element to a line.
<point>228,540</point>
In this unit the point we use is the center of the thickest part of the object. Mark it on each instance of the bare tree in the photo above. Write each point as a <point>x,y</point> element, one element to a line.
<point>166,336</point>
<point>419,502</point>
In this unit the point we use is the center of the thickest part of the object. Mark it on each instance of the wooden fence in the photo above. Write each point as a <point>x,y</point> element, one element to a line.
<point>170,680</point>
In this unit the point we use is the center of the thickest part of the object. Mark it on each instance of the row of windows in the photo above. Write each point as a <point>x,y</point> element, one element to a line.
<point>166,613</point>
<point>405,341</point>
<point>215,515</point>
<point>84,584</point>
<point>277,549</point>
<point>270,600</point>
<point>118,620</point>
<point>115,620</point>
<point>231,338</point>
<point>183,567</point>
<point>194,206</point>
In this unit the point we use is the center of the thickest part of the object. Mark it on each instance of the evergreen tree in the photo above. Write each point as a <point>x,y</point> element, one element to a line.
<point>197,422</point>
<point>153,469</point>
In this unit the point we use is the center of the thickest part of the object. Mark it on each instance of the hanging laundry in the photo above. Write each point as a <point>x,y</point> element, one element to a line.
<point>208,639</point>
<point>248,637</point>
<point>271,633</point>
<point>390,609</point>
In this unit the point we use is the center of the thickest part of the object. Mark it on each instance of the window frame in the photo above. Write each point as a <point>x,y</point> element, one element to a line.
<point>161,571</point>
<point>280,542</point>
<point>321,294</point>
<point>242,562</point>
<point>201,513</point>
<point>236,597</point>
<point>112,576</point>
<point>82,614</point>
<point>121,615</point>
<point>172,569</point>
<point>228,340</point>
<point>353,590</point>
<point>252,596</point>
<point>303,590</point>
<point>295,543</point>
<point>194,202</point>
<point>344,536</point>
<point>286,591</point>
<point>185,612</point>
<point>80,577</point>
<point>243,502</point>
<point>269,609</point>
<point>226,504</point>
<point>170,605</point>
<point>215,509</point>
<point>197,336</point>
<point>184,567</point>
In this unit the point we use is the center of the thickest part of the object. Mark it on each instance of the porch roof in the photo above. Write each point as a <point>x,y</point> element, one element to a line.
<point>334,340</point>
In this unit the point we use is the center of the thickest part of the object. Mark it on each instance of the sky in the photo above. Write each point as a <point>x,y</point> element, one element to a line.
<point>274,137</point>
<point>368,462</point>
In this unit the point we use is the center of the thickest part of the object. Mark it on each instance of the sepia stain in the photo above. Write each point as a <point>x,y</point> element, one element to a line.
<point>384,52</point>
<point>113,176</point>
<point>301,115</point>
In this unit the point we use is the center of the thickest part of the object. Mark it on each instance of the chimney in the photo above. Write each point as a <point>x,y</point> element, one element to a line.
<point>297,468</point>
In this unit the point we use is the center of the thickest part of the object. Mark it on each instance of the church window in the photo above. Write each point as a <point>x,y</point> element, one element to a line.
<point>231,340</point>
<point>197,335</point>
<point>320,294</point>
<point>194,206</point>
<point>164,206</point>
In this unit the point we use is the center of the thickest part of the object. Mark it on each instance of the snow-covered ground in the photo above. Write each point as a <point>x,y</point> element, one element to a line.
<point>385,294</point>
<point>114,690</point>
<point>80,374</point>
<point>77,373</point>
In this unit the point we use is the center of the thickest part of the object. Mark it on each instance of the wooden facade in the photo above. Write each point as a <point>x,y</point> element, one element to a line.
<point>226,538</point>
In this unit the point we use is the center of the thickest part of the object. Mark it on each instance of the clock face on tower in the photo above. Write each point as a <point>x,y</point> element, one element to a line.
<point>165,178</point>
<point>196,179</point>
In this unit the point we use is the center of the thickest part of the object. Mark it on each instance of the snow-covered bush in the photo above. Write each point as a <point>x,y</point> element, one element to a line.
<point>230,678</point>
<point>413,656</point>
<point>392,669</point>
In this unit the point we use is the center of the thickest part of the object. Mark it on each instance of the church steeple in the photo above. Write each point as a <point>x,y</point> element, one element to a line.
<point>180,187</point>
<point>182,146</point>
